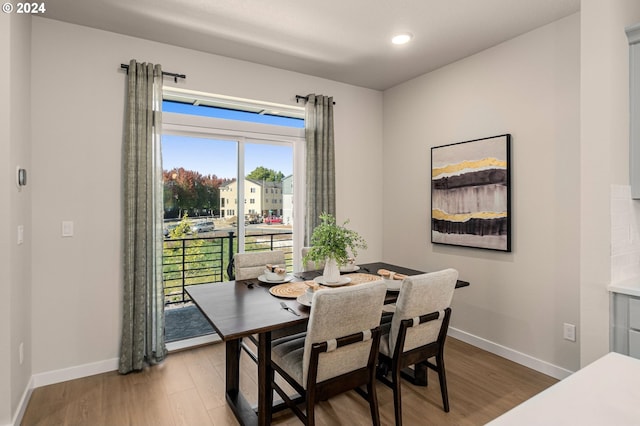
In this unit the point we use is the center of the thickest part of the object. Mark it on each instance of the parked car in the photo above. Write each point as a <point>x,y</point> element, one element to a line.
<point>201,227</point>
<point>251,219</point>
<point>270,220</point>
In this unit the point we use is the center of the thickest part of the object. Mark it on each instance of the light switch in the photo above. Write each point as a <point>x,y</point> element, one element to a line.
<point>67,228</point>
<point>20,234</point>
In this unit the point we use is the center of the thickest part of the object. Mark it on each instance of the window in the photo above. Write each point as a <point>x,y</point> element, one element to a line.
<point>209,152</point>
<point>227,146</point>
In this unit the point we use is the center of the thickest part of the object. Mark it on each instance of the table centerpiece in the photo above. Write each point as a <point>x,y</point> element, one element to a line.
<point>333,244</point>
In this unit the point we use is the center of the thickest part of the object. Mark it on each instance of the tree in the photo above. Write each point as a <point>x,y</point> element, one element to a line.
<point>190,191</point>
<point>262,173</point>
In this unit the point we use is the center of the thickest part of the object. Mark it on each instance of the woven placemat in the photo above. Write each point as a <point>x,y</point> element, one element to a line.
<point>295,289</point>
<point>360,277</point>
<point>289,290</point>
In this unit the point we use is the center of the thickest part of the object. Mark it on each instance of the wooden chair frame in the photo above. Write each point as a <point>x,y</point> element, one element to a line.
<point>316,392</point>
<point>419,357</point>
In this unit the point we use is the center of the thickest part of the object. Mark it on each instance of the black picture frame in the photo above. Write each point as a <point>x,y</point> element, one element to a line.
<point>471,193</point>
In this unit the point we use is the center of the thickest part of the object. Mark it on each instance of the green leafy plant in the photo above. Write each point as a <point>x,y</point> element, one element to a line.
<point>183,228</point>
<point>330,240</point>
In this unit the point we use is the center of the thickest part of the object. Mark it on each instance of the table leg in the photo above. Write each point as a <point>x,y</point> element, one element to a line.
<point>416,375</point>
<point>232,364</point>
<point>237,402</point>
<point>265,391</point>
<point>420,374</point>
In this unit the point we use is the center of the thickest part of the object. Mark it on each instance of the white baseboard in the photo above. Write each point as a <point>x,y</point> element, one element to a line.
<point>22,405</point>
<point>190,343</point>
<point>71,373</point>
<point>510,354</point>
<point>79,371</point>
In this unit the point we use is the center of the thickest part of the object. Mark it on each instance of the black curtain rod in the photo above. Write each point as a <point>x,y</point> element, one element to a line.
<point>170,74</point>
<point>306,98</point>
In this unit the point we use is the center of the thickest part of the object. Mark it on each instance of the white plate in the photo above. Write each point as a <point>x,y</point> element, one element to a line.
<point>304,299</point>
<point>342,281</point>
<point>393,285</point>
<point>352,268</point>
<point>264,279</point>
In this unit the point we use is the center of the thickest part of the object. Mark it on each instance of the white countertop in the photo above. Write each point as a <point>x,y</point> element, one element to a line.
<point>606,392</point>
<point>630,287</point>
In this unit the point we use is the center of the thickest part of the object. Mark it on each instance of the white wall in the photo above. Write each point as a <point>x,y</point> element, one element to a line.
<point>15,260</point>
<point>20,201</point>
<point>604,128</point>
<point>528,87</point>
<point>5,166</point>
<point>78,106</point>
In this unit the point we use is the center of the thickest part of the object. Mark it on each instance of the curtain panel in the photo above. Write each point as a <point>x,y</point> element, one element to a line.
<point>143,299</point>
<point>320,167</point>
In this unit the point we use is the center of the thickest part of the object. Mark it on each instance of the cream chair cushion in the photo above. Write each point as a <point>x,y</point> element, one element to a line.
<point>335,313</point>
<point>420,295</point>
<point>251,265</point>
<point>311,265</point>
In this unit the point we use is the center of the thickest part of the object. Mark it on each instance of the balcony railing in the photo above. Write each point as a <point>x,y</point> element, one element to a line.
<point>199,260</point>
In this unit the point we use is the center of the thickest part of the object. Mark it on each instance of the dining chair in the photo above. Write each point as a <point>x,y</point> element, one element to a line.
<point>338,353</point>
<point>417,332</point>
<point>251,265</point>
<point>311,265</point>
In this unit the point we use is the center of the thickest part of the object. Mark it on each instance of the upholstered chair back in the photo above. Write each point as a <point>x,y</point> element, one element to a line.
<point>311,265</point>
<point>340,312</point>
<point>420,295</point>
<point>251,265</point>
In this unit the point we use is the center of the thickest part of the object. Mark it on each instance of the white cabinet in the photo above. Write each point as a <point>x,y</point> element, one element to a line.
<point>625,324</point>
<point>634,343</point>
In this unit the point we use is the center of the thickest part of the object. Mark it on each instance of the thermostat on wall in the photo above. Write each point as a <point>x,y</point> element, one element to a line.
<point>21,177</point>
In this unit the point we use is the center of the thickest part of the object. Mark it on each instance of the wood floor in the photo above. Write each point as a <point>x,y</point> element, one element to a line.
<point>188,389</point>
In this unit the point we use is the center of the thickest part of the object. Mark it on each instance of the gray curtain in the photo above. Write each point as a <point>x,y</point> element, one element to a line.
<point>143,305</point>
<point>321,182</point>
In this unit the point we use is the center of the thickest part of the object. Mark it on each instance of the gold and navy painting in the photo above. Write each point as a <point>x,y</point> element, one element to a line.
<point>471,193</point>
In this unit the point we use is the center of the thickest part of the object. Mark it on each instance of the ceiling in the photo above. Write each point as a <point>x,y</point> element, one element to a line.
<point>341,40</point>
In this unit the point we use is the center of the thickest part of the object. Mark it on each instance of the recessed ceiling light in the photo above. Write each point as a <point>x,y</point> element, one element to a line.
<point>402,38</point>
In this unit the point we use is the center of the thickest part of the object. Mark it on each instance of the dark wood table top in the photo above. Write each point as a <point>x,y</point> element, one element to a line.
<point>238,309</point>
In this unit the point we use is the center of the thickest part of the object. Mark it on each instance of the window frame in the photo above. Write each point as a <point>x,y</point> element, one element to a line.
<point>244,132</point>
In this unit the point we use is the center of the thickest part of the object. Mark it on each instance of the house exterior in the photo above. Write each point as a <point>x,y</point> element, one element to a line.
<point>561,91</point>
<point>261,198</point>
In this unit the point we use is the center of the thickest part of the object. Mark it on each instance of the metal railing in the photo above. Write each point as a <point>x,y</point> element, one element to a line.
<point>199,260</point>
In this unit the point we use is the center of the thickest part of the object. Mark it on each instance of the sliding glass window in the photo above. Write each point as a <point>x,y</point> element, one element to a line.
<point>231,184</point>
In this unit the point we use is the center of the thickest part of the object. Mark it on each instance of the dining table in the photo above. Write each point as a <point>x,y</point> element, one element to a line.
<point>244,308</point>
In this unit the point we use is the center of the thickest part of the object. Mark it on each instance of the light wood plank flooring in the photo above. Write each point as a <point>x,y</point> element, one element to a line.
<point>188,389</point>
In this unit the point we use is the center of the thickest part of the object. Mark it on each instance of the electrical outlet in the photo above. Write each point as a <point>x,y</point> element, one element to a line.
<point>569,332</point>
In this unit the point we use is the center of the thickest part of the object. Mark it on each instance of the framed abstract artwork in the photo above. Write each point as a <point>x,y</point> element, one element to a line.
<point>471,193</point>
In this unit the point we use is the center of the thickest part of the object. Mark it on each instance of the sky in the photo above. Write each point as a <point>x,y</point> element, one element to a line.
<point>219,157</point>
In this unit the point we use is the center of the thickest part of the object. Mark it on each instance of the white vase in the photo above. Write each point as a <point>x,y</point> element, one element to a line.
<point>331,273</point>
